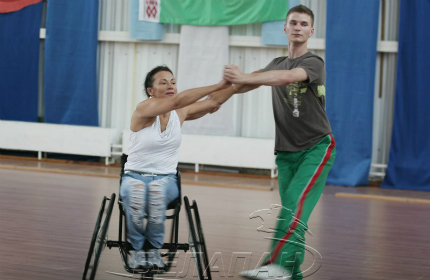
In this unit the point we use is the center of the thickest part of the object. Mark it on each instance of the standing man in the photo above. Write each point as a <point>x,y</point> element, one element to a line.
<point>304,147</point>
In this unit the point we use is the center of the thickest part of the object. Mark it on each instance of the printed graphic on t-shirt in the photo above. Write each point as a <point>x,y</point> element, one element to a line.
<point>321,90</point>
<point>295,92</point>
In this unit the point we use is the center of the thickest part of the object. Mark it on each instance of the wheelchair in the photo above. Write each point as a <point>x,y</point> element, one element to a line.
<point>196,242</point>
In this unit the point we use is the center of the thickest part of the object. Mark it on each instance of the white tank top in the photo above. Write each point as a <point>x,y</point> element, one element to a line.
<point>153,151</point>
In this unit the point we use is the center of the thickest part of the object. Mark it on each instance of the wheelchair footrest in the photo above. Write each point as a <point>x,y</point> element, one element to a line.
<point>179,246</point>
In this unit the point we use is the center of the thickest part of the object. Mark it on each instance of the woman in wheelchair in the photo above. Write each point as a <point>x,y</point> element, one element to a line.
<point>149,182</point>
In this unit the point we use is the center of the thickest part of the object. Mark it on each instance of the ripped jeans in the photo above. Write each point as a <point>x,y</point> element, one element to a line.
<point>149,196</point>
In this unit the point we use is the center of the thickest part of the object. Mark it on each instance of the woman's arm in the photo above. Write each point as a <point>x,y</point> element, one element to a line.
<point>147,110</point>
<point>212,104</point>
<point>153,107</point>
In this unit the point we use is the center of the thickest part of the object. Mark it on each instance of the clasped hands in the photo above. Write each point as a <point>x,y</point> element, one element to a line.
<point>233,75</point>
<point>240,80</point>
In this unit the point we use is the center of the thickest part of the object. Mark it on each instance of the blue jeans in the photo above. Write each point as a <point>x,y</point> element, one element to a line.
<point>149,196</point>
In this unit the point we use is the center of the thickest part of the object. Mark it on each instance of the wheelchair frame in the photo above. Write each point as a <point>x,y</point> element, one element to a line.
<point>196,241</point>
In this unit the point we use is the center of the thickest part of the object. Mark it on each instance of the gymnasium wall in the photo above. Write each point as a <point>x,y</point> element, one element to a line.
<point>121,63</point>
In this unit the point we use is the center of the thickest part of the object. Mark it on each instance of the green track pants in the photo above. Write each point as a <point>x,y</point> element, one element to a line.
<point>302,177</point>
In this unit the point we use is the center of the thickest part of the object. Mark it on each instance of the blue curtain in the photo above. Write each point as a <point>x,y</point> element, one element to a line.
<point>70,93</point>
<point>351,41</point>
<point>19,63</point>
<point>409,158</point>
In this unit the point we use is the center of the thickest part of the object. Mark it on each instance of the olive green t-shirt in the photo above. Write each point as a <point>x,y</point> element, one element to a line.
<point>299,108</point>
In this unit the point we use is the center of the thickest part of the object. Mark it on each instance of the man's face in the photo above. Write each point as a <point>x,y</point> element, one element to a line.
<point>298,27</point>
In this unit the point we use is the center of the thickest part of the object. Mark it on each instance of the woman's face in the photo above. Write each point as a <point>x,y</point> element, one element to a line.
<point>164,85</point>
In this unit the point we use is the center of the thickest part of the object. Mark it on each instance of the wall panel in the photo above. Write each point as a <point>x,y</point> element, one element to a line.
<point>123,65</point>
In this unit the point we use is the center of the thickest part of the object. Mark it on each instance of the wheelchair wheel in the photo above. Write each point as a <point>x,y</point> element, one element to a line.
<point>99,239</point>
<point>202,241</point>
<point>93,239</point>
<point>196,245</point>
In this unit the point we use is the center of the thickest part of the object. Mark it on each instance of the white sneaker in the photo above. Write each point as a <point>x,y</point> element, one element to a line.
<point>137,259</point>
<point>267,272</point>
<point>154,258</point>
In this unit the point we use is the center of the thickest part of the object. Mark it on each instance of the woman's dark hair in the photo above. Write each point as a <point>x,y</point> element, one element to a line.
<point>149,80</point>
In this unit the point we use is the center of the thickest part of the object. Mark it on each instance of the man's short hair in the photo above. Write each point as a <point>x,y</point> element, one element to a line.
<point>302,10</point>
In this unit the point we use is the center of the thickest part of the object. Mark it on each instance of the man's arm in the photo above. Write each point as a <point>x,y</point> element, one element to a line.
<point>233,74</point>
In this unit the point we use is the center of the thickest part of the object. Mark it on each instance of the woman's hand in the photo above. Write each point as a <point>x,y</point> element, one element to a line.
<point>223,84</point>
<point>214,109</point>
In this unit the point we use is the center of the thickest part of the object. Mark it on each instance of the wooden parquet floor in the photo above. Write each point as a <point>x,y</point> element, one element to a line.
<point>48,212</point>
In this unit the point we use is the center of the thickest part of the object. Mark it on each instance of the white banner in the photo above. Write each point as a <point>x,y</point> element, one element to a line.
<point>203,53</point>
<point>149,10</point>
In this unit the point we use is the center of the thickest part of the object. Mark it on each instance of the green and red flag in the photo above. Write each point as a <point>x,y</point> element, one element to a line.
<point>212,12</point>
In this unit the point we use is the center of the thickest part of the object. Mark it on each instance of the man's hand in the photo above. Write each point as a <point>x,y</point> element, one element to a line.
<point>233,74</point>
